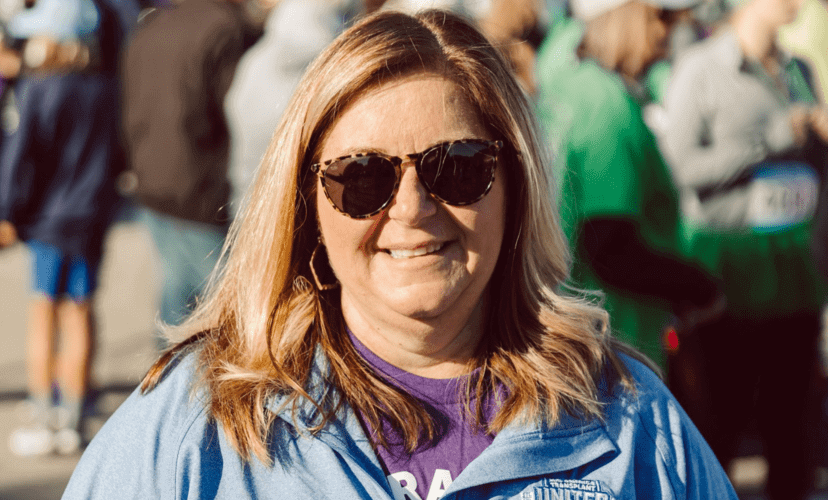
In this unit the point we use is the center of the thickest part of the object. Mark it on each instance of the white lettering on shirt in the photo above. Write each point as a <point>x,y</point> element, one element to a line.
<point>439,484</point>
<point>404,486</point>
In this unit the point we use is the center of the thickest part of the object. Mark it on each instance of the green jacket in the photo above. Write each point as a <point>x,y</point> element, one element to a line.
<point>609,165</point>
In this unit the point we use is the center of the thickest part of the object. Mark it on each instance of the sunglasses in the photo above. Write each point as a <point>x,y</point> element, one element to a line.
<point>456,173</point>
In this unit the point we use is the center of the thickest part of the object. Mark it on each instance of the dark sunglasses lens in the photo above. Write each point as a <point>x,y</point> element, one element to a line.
<point>459,173</point>
<point>360,186</point>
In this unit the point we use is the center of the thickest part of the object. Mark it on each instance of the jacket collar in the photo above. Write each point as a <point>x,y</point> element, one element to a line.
<point>343,434</point>
<point>318,388</point>
<point>525,451</point>
<point>519,451</point>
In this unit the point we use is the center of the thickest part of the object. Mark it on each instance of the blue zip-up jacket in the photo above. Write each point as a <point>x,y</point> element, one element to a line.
<point>163,446</point>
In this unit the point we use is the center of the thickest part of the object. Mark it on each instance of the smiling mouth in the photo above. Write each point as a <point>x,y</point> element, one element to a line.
<point>417,252</point>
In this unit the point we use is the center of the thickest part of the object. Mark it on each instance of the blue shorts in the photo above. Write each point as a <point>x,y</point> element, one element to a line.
<point>57,274</point>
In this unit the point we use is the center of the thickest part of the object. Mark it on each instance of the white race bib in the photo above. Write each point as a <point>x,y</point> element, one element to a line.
<point>781,195</point>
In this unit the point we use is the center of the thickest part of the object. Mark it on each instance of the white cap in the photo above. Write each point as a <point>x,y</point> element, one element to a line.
<point>590,9</point>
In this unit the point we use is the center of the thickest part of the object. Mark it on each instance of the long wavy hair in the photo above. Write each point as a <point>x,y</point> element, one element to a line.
<point>261,324</point>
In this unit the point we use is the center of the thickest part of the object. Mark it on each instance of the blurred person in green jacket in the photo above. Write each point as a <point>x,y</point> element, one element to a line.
<point>618,203</point>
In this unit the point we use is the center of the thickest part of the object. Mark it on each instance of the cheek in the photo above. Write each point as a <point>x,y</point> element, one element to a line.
<point>333,228</point>
<point>490,221</point>
<point>342,235</point>
<point>324,217</point>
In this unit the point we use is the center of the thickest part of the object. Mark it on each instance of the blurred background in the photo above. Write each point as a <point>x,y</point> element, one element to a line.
<point>126,313</point>
<point>132,128</point>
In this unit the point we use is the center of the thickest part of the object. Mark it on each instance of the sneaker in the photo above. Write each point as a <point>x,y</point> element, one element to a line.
<point>67,441</point>
<point>31,441</point>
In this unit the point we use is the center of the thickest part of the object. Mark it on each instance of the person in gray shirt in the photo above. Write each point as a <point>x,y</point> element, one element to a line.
<point>743,135</point>
<point>734,101</point>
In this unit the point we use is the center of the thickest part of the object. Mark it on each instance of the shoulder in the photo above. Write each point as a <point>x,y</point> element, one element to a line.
<point>565,78</point>
<point>651,428</point>
<point>641,373</point>
<point>143,442</point>
<point>576,94</point>
<point>190,21</point>
<point>712,56</point>
<point>601,111</point>
<point>649,392</point>
<point>647,389</point>
<point>597,90</point>
<point>219,22</point>
<point>212,11</point>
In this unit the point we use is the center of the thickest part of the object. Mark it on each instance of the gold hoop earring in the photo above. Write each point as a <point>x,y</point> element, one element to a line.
<point>316,280</point>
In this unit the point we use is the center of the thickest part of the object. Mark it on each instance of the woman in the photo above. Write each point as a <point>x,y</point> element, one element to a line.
<point>618,202</point>
<point>434,356</point>
<point>746,142</point>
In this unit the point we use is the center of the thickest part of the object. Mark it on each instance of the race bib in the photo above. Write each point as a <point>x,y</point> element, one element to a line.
<point>782,195</point>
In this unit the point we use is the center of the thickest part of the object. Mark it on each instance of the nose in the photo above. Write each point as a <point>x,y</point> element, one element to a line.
<point>412,203</point>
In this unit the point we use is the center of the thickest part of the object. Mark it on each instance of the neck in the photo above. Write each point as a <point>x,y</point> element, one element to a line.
<point>433,348</point>
<point>757,38</point>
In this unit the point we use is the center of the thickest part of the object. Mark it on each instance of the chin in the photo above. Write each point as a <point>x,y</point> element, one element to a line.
<point>424,302</point>
<point>424,310</point>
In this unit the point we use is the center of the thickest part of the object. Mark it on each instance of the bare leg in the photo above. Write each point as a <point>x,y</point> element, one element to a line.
<point>40,350</point>
<point>35,438</point>
<point>76,325</point>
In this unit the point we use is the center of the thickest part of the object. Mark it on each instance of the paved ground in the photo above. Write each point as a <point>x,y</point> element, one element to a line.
<point>125,349</point>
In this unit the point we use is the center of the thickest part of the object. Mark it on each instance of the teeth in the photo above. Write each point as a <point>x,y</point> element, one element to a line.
<point>407,254</point>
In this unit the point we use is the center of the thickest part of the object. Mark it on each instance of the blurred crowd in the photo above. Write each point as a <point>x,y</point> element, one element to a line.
<point>689,138</point>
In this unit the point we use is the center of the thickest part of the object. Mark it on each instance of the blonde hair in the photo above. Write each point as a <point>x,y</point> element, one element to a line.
<point>261,322</point>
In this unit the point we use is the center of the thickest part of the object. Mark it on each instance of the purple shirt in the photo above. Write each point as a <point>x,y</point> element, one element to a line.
<point>427,473</point>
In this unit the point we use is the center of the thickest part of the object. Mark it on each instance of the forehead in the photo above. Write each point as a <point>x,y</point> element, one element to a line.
<point>403,116</point>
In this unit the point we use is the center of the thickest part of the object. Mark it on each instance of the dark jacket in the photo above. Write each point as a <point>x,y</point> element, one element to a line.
<point>177,70</point>
<point>58,168</point>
